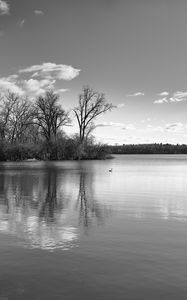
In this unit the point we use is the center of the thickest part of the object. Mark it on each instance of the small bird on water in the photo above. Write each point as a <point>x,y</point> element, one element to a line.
<point>110,170</point>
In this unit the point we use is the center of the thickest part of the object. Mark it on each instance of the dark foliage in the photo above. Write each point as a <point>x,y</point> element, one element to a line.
<point>149,149</point>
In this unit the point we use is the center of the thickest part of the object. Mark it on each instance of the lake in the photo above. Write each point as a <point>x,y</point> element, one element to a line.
<point>74,230</point>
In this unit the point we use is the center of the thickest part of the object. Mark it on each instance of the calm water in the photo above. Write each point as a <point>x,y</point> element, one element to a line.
<point>74,230</point>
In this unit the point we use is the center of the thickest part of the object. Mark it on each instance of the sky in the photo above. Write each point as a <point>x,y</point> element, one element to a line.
<point>134,51</point>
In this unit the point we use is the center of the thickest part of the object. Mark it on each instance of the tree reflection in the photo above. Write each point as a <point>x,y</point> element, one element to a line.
<point>50,204</point>
<point>34,208</point>
<point>90,210</point>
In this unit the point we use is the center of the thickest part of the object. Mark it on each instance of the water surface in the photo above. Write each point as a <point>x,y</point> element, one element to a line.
<point>74,230</point>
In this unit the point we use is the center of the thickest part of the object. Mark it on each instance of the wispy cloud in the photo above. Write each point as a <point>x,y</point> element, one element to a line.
<point>4,7</point>
<point>52,71</point>
<point>21,23</point>
<point>164,94</point>
<point>178,126</point>
<point>38,12</point>
<point>107,124</point>
<point>122,126</point>
<point>120,105</point>
<point>136,94</point>
<point>62,90</point>
<point>179,96</point>
<point>176,97</point>
<point>161,101</point>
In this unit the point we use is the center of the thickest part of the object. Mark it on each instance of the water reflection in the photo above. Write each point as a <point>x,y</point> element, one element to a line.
<point>47,208</point>
<point>52,205</point>
<point>89,209</point>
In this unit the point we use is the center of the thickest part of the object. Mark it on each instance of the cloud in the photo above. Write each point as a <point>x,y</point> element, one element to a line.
<point>38,12</point>
<point>21,23</point>
<point>176,97</point>
<point>31,87</point>
<point>120,105</point>
<point>107,124</point>
<point>52,71</point>
<point>179,96</point>
<point>161,101</point>
<point>38,87</point>
<point>136,94</point>
<point>175,126</point>
<point>2,33</point>
<point>115,124</point>
<point>24,83</point>
<point>164,94</point>
<point>129,127</point>
<point>4,8</point>
<point>9,84</point>
<point>62,90</point>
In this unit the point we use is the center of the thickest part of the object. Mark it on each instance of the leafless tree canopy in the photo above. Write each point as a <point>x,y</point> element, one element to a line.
<point>15,115</point>
<point>49,115</point>
<point>91,104</point>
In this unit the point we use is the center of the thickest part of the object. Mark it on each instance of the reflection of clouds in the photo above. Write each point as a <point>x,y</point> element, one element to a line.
<point>50,236</point>
<point>46,208</point>
<point>173,209</point>
<point>35,208</point>
<point>36,234</point>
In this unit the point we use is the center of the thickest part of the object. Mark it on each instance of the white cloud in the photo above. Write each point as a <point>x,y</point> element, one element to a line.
<point>129,127</point>
<point>4,7</point>
<point>136,94</point>
<point>8,84</point>
<point>176,97</point>
<point>52,71</point>
<point>175,126</point>
<point>161,101</point>
<point>62,90</point>
<point>25,83</point>
<point>164,94</point>
<point>107,124</point>
<point>38,12</point>
<point>120,105</point>
<point>179,96</point>
<point>38,87</point>
<point>115,124</point>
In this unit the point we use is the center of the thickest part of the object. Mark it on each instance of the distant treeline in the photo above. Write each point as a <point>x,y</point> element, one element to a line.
<point>149,149</point>
<point>34,128</point>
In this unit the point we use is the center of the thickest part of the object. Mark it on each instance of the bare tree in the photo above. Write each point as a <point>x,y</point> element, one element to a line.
<point>91,105</point>
<point>49,115</point>
<point>6,105</point>
<point>15,115</point>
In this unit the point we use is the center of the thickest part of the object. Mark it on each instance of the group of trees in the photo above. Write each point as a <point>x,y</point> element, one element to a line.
<point>35,129</point>
<point>157,148</point>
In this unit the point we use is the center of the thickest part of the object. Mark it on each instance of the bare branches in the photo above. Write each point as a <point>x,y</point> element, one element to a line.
<point>49,115</point>
<point>15,114</point>
<point>91,105</point>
